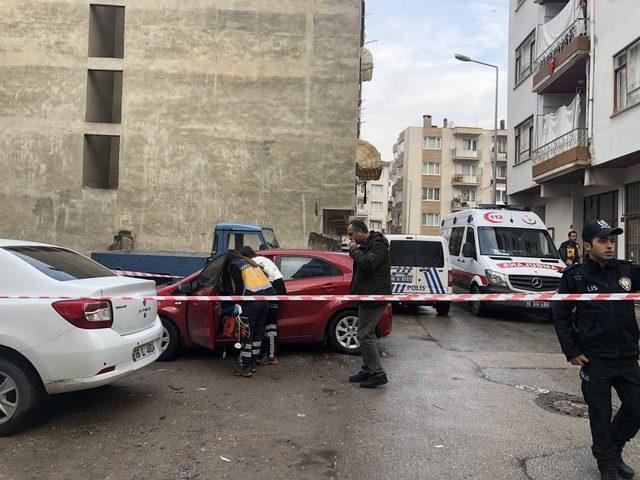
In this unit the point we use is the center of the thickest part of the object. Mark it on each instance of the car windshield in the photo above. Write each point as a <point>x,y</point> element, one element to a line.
<point>270,237</point>
<point>516,242</point>
<point>411,253</point>
<point>60,264</point>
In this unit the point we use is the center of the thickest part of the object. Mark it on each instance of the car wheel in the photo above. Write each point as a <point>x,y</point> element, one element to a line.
<point>170,340</point>
<point>343,331</point>
<point>442,308</point>
<point>478,309</point>
<point>20,395</point>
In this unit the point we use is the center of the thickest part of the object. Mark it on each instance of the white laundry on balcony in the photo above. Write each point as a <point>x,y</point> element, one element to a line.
<point>561,30</point>
<point>559,123</point>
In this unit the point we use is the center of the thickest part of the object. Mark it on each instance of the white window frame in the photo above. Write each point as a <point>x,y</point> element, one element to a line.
<point>470,144</point>
<point>432,168</point>
<point>468,197</point>
<point>501,196</point>
<point>520,133</point>
<point>375,224</point>
<point>430,194</point>
<point>525,51</point>
<point>432,143</point>
<point>374,206</point>
<point>360,206</point>
<point>472,169</point>
<point>435,218</point>
<point>626,65</point>
<point>377,189</point>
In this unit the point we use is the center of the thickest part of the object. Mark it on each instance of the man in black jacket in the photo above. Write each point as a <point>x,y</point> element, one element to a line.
<point>570,250</point>
<point>371,276</point>
<point>603,341</point>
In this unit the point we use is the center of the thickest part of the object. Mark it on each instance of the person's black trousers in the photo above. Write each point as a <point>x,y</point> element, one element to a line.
<point>610,436</point>
<point>254,314</point>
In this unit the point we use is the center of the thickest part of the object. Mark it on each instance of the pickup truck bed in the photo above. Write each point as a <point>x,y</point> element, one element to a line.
<point>164,263</point>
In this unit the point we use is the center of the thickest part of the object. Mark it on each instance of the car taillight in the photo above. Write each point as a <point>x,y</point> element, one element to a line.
<point>88,314</point>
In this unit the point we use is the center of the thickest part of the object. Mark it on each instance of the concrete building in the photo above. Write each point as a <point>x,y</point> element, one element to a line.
<point>439,170</point>
<point>373,201</point>
<point>165,118</point>
<point>574,91</point>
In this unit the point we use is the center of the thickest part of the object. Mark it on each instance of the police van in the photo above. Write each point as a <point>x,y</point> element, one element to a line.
<point>420,264</point>
<point>497,249</point>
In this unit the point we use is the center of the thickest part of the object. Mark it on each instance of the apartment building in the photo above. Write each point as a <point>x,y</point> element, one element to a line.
<point>439,170</point>
<point>574,96</point>
<point>372,204</point>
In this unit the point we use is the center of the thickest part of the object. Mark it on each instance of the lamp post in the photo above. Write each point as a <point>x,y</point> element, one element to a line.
<point>464,58</point>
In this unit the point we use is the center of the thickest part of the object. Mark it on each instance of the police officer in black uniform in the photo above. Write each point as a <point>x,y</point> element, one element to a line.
<point>602,339</point>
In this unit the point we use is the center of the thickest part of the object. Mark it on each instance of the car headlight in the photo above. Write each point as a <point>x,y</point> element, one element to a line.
<point>496,278</point>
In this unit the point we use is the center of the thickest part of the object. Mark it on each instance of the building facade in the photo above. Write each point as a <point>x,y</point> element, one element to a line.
<point>574,96</point>
<point>164,118</point>
<point>373,201</point>
<point>439,170</point>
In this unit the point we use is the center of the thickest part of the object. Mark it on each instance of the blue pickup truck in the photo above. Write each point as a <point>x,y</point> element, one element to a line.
<point>181,264</point>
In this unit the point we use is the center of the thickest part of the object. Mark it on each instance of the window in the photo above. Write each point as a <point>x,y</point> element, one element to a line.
<point>362,188</point>
<point>377,189</point>
<point>104,96</point>
<point>430,219</point>
<point>627,77</point>
<point>239,240</point>
<point>400,148</point>
<point>516,242</point>
<point>375,224</point>
<point>100,163</point>
<point>360,205</point>
<point>524,140</point>
<point>431,194</point>
<point>431,169</point>
<point>106,31</point>
<point>410,253</point>
<point>432,143</point>
<point>295,268</point>
<point>376,206</point>
<point>469,169</point>
<point>525,56</point>
<point>502,145</point>
<point>469,194</point>
<point>60,264</point>
<point>501,196</point>
<point>471,238</point>
<point>470,144</point>
<point>501,171</point>
<point>456,240</point>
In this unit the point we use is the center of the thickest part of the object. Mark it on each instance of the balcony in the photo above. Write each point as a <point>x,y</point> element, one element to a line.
<point>502,156</point>
<point>458,204</point>
<point>462,154</point>
<point>467,131</point>
<point>563,62</point>
<point>565,155</point>
<point>461,179</point>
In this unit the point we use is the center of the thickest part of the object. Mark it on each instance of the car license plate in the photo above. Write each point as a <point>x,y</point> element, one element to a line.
<point>143,351</point>
<point>537,304</point>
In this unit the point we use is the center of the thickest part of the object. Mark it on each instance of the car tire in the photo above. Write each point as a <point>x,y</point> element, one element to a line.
<point>21,394</point>
<point>478,309</point>
<point>170,342</point>
<point>442,308</point>
<point>342,332</point>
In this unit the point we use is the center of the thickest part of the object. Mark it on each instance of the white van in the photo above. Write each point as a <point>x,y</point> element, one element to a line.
<point>501,250</point>
<point>420,264</point>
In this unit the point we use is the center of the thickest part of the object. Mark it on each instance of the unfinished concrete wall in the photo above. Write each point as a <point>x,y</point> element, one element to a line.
<point>231,111</point>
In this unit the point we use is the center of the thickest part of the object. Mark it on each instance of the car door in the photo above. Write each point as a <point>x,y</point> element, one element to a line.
<point>458,264</point>
<point>203,317</point>
<point>306,275</point>
<point>471,263</point>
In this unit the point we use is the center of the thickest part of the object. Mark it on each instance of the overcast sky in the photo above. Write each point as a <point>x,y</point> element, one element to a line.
<point>415,72</point>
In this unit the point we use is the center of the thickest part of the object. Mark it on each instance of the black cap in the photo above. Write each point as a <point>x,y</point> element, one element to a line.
<point>598,228</point>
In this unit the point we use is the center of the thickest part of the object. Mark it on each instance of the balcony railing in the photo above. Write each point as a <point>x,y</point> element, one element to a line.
<point>463,154</point>
<point>563,154</point>
<point>461,179</point>
<point>578,28</point>
<point>502,156</point>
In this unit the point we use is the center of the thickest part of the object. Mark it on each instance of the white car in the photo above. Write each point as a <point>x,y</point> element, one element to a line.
<point>55,346</point>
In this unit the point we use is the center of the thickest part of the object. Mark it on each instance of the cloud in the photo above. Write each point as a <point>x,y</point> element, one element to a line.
<point>415,72</point>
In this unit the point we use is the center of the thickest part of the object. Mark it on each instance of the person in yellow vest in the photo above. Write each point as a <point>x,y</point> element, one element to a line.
<point>242,276</point>
<point>570,250</point>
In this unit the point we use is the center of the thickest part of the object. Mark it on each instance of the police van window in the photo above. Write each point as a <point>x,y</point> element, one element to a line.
<point>516,242</point>
<point>60,264</point>
<point>455,242</point>
<point>296,268</point>
<point>407,253</point>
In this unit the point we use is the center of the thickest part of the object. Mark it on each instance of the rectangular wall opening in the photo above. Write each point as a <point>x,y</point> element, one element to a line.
<point>101,161</point>
<point>106,31</point>
<point>104,96</point>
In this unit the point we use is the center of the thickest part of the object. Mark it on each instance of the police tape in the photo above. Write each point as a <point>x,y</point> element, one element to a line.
<point>128,273</point>
<point>420,298</point>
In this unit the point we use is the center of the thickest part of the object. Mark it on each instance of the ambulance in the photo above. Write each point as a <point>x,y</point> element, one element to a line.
<point>420,264</point>
<point>499,249</point>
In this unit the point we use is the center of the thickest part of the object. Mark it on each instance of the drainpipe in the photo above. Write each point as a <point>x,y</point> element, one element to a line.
<point>592,62</point>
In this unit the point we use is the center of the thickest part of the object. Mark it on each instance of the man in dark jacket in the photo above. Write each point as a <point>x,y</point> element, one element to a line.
<point>570,250</point>
<point>603,341</point>
<point>371,276</point>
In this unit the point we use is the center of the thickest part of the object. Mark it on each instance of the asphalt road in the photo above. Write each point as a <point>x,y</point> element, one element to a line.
<point>463,402</point>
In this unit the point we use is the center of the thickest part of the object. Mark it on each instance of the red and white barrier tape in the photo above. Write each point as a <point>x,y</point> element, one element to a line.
<point>483,297</point>
<point>128,273</point>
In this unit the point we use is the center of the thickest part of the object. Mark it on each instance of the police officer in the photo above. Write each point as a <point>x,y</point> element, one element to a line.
<point>603,340</point>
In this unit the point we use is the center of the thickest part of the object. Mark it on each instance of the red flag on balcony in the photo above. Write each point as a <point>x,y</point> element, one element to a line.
<point>552,66</point>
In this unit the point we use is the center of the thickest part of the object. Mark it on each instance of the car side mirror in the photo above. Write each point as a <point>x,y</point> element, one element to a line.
<point>468,250</point>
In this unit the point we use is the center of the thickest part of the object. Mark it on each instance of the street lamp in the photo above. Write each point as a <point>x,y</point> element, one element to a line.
<point>464,58</point>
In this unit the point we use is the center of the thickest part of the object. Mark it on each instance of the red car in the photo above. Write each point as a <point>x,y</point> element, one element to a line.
<point>306,272</point>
